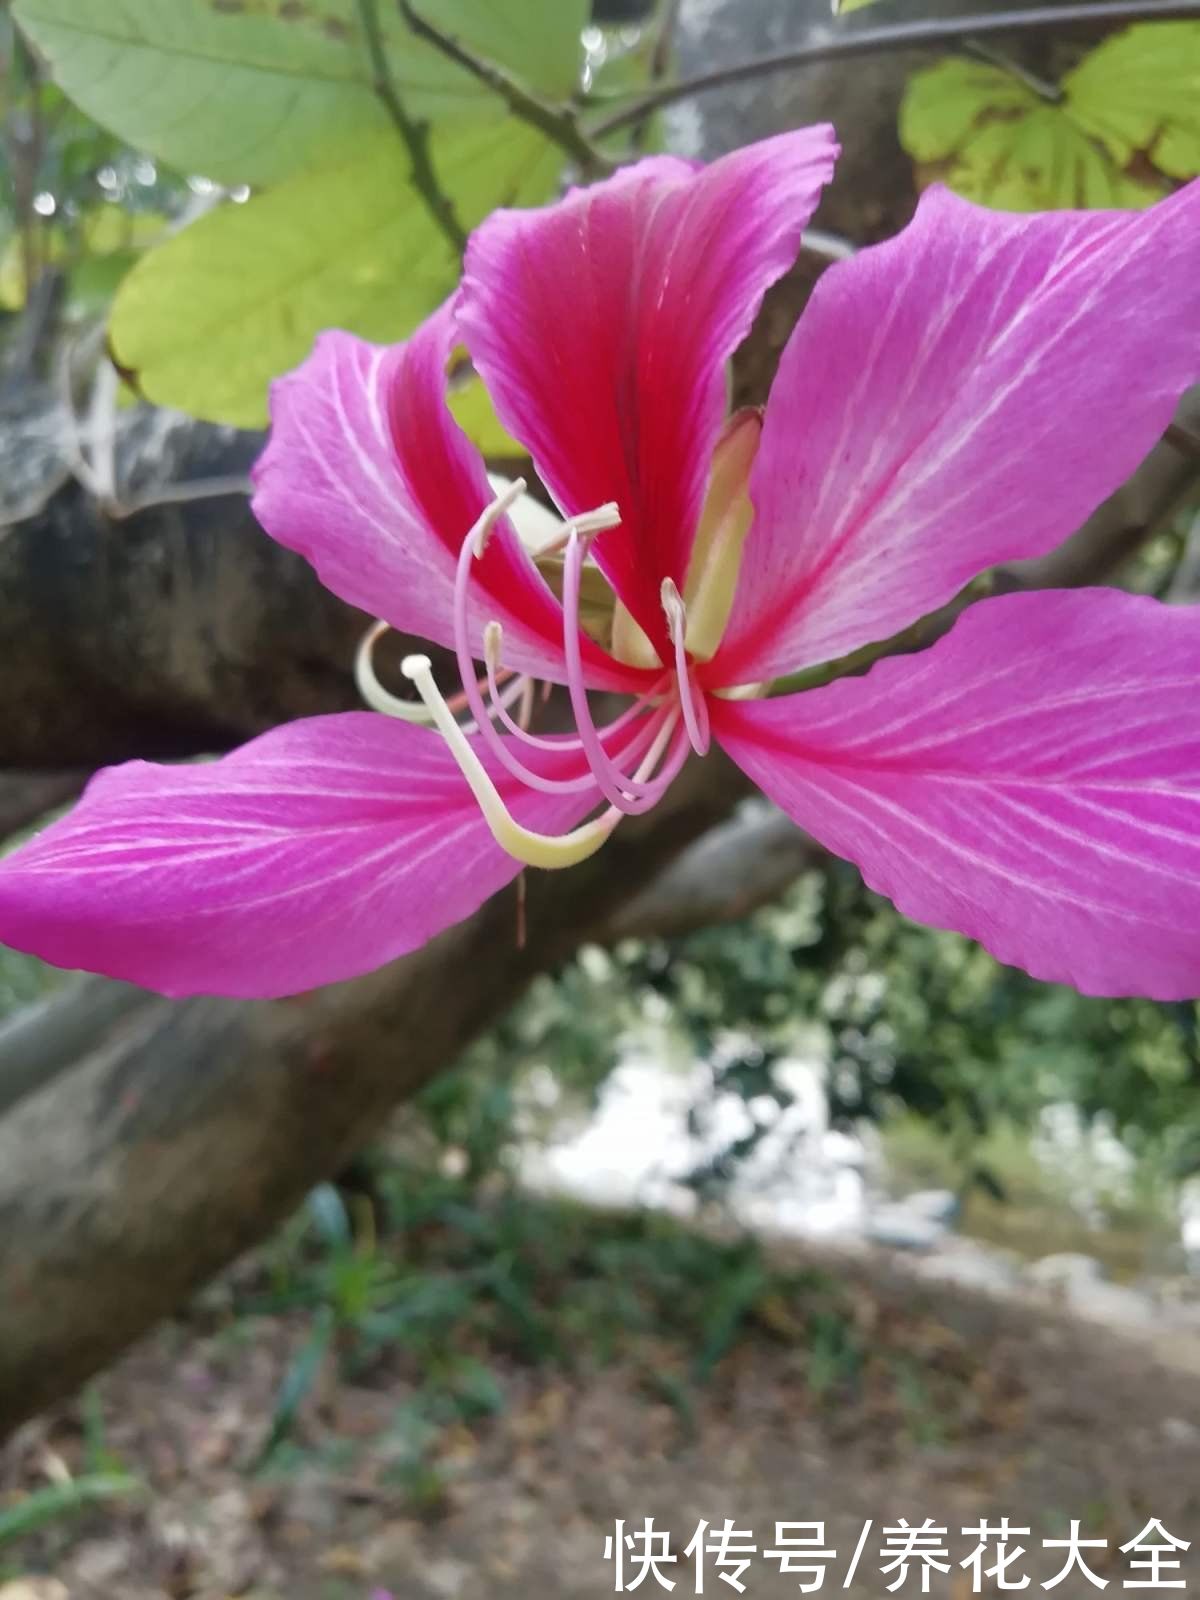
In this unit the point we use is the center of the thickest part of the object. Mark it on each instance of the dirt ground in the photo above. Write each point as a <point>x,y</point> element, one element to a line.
<point>964,1410</point>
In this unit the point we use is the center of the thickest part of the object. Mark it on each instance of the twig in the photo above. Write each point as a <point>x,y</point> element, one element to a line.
<point>663,43</point>
<point>414,134</point>
<point>24,153</point>
<point>91,452</point>
<point>1042,87</point>
<point>177,494</point>
<point>929,33</point>
<point>660,56</point>
<point>558,123</point>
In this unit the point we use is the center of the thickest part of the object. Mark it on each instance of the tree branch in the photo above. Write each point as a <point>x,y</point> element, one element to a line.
<point>414,134</point>
<point>738,867</point>
<point>928,33</point>
<point>185,1131</point>
<point>26,796</point>
<point>558,123</point>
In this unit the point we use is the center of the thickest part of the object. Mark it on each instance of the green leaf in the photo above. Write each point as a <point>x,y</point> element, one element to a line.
<point>843,8</point>
<point>1128,121</point>
<point>61,1500</point>
<point>248,91</point>
<point>211,316</point>
<point>297,1383</point>
<point>472,409</point>
<point>1138,94</point>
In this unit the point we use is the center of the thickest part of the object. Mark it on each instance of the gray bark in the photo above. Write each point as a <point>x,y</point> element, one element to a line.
<point>148,1142</point>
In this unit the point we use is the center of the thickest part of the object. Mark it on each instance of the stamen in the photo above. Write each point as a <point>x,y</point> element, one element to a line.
<point>627,794</point>
<point>653,731</point>
<point>695,710</point>
<point>606,516</point>
<point>672,766</point>
<point>534,849</point>
<point>602,517</point>
<point>488,518</point>
<point>472,546</point>
<point>493,641</point>
<point>725,520</point>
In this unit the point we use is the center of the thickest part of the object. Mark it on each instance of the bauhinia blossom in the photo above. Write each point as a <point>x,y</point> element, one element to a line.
<point>960,396</point>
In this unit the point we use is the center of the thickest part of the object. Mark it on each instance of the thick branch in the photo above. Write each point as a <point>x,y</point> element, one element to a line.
<point>178,631</point>
<point>745,863</point>
<point>186,1131</point>
<point>24,797</point>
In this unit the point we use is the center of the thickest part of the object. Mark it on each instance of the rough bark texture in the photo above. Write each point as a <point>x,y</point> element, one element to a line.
<point>166,1137</point>
<point>179,630</point>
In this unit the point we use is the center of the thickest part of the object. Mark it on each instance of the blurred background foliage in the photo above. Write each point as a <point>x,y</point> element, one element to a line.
<point>221,182</point>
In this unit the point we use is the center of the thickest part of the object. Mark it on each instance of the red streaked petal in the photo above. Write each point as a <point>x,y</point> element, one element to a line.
<point>602,325</point>
<point>369,477</point>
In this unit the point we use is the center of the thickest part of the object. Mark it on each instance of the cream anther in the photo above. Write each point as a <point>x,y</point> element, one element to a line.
<point>478,536</point>
<point>606,516</point>
<point>493,641</point>
<point>672,603</point>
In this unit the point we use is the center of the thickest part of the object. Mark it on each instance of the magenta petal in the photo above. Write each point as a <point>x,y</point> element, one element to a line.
<point>601,326</point>
<point>369,477</point>
<point>316,852</point>
<point>1032,781</point>
<point>963,395</point>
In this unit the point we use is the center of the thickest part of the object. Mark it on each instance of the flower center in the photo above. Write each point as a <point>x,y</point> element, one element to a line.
<point>631,760</point>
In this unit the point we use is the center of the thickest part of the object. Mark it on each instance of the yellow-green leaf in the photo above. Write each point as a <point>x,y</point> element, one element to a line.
<point>472,408</point>
<point>248,91</point>
<point>207,319</point>
<point>1138,94</point>
<point>1128,121</point>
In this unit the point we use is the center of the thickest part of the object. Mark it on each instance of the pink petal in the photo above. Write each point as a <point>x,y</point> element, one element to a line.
<point>1032,781</point>
<point>368,476</point>
<point>316,852</point>
<point>601,326</point>
<point>963,395</point>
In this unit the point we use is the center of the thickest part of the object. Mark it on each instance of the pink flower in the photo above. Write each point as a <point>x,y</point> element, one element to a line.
<point>960,396</point>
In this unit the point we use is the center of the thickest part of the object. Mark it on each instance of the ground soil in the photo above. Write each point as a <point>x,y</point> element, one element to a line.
<point>965,1409</point>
